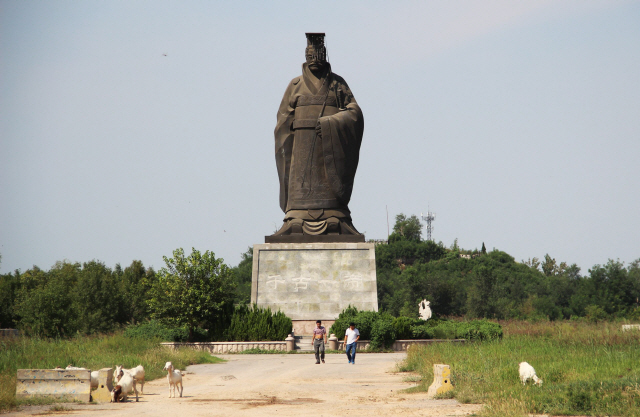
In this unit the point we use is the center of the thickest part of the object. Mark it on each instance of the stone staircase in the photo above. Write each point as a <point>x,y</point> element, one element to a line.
<point>304,343</point>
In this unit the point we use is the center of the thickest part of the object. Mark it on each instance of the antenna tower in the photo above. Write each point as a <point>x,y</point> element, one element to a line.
<point>430,217</point>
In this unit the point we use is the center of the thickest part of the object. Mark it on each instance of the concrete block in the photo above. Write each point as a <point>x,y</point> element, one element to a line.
<point>627,327</point>
<point>9,333</point>
<point>441,380</point>
<point>70,385</point>
<point>105,384</point>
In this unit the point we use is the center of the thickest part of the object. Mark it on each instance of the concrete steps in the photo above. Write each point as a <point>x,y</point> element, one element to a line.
<point>304,343</point>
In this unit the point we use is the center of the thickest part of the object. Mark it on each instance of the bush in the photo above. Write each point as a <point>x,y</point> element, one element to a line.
<point>445,329</point>
<point>364,323</point>
<point>153,329</point>
<point>479,330</point>
<point>252,323</point>
<point>379,328</point>
<point>341,324</point>
<point>383,332</point>
<point>594,313</point>
<point>403,325</point>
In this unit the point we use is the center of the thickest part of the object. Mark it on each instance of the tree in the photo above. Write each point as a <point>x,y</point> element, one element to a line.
<point>408,228</point>
<point>98,302</point>
<point>242,275</point>
<point>484,249</point>
<point>550,267</point>
<point>134,284</point>
<point>9,285</point>
<point>45,300</point>
<point>193,291</point>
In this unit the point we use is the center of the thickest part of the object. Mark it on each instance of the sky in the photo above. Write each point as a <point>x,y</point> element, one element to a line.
<point>131,129</point>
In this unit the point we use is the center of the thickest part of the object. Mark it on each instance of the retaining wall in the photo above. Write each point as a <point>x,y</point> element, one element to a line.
<point>235,347</point>
<point>229,347</point>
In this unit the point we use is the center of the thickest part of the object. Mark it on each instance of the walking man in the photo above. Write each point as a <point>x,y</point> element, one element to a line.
<point>351,336</point>
<point>319,339</point>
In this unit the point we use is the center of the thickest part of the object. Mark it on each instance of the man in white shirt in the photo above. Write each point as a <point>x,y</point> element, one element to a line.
<point>351,336</point>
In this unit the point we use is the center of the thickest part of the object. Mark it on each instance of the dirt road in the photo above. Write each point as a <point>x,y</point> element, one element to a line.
<point>280,385</point>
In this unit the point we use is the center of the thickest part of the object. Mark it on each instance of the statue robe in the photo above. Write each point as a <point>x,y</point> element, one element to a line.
<point>317,172</point>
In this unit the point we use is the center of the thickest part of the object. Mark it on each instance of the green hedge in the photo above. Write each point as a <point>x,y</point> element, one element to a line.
<point>153,329</point>
<point>378,327</point>
<point>382,329</point>
<point>252,323</point>
<point>447,329</point>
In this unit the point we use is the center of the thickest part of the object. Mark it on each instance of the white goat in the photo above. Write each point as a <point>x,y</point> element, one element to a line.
<point>424,310</point>
<point>174,376</point>
<point>527,372</point>
<point>125,383</point>
<point>137,373</point>
<point>94,375</point>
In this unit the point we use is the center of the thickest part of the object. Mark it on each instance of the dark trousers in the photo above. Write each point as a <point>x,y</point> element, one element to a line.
<point>318,347</point>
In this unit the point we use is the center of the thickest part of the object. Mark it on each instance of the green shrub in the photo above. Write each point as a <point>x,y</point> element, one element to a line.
<point>383,332</point>
<point>594,313</point>
<point>364,323</point>
<point>403,325</point>
<point>153,329</point>
<point>341,324</point>
<point>252,323</point>
<point>446,329</point>
<point>479,330</point>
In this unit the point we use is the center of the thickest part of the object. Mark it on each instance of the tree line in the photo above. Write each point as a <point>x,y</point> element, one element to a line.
<point>191,291</point>
<point>481,284</point>
<point>198,291</point>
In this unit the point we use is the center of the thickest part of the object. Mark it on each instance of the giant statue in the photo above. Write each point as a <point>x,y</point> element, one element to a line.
<point>317,138</point>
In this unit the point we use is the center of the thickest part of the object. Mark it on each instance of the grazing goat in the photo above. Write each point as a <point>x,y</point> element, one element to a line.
<point>174,376</point>
<point>94,375</point>
<point>137,373</point>
<point>527,372</point>
<point>125,384</point>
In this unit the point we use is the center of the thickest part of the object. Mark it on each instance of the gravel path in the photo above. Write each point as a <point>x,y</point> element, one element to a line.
<point>279,385</point>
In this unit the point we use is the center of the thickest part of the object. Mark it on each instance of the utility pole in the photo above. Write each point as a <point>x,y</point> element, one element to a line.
<point>430,217</point>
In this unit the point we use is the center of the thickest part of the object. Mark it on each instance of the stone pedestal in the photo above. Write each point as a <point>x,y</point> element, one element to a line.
<point>314,281</point>
<point>291,343</point>
<point>333,342</point>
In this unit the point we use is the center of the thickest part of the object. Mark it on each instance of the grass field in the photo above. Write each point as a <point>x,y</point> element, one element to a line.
<point>92,352</point>
<point>587,369</point>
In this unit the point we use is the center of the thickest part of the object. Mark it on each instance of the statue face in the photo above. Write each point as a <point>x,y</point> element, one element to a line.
<point>315,59</point>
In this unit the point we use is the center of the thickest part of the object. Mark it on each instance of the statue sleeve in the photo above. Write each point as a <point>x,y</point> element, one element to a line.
<point>284,142</point>
<point>341,139</point>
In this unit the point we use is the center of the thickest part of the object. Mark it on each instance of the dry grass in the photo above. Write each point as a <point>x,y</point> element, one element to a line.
<point>91,352</point>
<point>588,369</point>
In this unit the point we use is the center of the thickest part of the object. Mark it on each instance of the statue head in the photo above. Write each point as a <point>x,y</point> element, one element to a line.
<point>315,53</point>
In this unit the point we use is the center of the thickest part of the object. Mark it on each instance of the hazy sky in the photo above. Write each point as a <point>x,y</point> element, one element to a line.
<point>129,129</point>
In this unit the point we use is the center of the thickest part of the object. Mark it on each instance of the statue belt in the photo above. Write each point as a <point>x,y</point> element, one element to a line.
<point>316,101</point>
<point>305,124</point>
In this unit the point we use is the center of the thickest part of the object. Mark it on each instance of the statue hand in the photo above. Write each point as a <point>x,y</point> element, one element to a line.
<point>319,130</point>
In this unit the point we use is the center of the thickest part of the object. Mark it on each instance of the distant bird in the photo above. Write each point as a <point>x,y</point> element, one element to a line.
<point>164,54</point>
<point>225,231</point>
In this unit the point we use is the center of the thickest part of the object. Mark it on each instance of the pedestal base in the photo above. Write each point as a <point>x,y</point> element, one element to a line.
<point>314,281</point>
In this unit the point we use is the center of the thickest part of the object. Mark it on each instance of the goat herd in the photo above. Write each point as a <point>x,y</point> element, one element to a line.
<point>125,380</point>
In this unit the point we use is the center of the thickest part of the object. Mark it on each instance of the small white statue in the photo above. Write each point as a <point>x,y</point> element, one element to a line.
<point>424,310</point>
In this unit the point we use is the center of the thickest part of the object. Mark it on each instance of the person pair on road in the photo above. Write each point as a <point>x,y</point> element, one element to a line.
<point>352,335</point>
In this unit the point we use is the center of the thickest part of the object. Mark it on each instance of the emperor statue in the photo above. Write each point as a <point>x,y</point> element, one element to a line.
<point>317,138</point>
